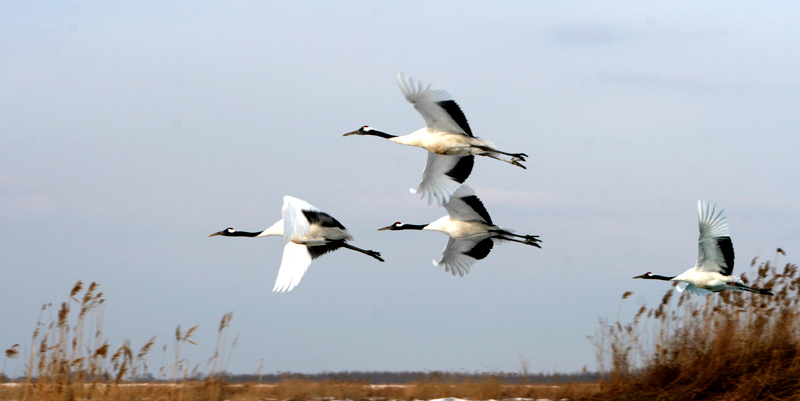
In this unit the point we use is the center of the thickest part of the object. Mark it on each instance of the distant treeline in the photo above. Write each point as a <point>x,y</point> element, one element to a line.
<point>378,377</point>
<point>416,377</point>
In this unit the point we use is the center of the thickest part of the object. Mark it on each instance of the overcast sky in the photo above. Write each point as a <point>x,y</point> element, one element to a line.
<point>130,131</point>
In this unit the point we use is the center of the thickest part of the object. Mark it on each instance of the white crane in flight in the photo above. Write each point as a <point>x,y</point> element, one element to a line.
<point>471,231</point>
<point>446,136</point>
<point>308,233</point>
<point>713,271</point>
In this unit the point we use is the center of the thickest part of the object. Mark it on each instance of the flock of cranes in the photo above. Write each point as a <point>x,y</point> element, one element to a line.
<point>309,233</point>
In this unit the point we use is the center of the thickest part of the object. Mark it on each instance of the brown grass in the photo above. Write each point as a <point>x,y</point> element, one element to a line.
<point>310,390</point>
<point>725,346</point>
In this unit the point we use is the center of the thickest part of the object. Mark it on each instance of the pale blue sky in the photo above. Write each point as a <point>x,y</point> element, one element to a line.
<point>131,131</point>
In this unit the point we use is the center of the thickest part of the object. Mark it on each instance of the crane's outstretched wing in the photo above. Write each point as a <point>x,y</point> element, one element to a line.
<point>464,205</point>
<point>294,264</point>
<point>459,255</point>
<point>440,112</point>
<point>443,175</point>
<point>295,223</point>
<point>322,218</point>
<point>714,246</point>
<point>684,286</point>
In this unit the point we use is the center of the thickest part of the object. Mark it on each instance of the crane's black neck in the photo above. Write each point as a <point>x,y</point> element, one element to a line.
<point>241,234</point>
<point>657,277</point>
<point>410,227</point>
<point>379,134</point>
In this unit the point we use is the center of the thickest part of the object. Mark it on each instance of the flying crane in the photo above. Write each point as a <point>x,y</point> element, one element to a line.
<point>713,271</point>
<point>471,231</point>
<point>308,233</point>
<point>447,137</point>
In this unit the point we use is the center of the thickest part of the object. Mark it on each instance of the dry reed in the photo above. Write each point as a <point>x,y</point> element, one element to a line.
<point>69,358</point>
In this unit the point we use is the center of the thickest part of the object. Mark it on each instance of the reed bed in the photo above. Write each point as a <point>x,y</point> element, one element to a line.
<point>724,346</point>
<point>69,359</point>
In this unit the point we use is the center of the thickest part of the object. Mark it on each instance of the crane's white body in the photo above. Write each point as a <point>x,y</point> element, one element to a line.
<point>445,143</point>
<point>459,229</point>
<point>704,283</point>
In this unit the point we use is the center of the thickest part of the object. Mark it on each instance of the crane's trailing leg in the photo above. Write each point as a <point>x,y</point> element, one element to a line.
<point>514,156</point>
<point>532,240</point>
<point>376,255</point>
<point>496,155</point>
<point>526,242</point>
<point>514,161</point>
<point>762,291</point>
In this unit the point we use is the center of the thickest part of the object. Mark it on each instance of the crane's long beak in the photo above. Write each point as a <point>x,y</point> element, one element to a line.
<point>356,132</point>
<point>642,276</point>
<point>217,233</point>
<point>386,228</point>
